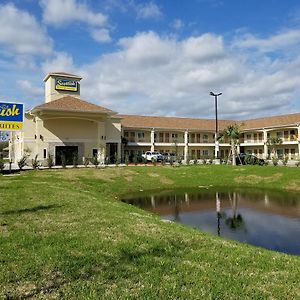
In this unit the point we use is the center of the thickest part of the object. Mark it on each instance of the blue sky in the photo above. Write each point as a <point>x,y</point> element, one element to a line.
<point>157,57</point>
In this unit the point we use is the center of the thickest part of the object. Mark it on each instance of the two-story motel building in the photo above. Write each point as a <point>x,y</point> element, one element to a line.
<point>66,124</point>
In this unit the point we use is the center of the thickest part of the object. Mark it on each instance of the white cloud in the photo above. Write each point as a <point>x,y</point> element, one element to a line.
<point>29,90</point>
<point>177,24</point>
<point>147,49</point>
<point>21,34</point>
<point>101,35</point>
<point>279,41</point>
<point>204,47</point>
<point>161,75</point>
<point>59,62</point>
<point>62,12</point>
<point>148,10</point>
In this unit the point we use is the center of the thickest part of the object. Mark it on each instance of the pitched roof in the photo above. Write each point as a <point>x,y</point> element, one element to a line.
<point>133,121</point>
<point>283,120</point>
<point>72,104</point>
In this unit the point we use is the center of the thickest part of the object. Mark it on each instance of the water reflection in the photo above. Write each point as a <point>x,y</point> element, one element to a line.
<point>270,220</point>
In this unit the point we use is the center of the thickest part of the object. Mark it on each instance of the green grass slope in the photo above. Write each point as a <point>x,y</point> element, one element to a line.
<point>64,234</point>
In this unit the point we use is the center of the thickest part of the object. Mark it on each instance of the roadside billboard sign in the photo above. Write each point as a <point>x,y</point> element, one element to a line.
<point>11,116</point>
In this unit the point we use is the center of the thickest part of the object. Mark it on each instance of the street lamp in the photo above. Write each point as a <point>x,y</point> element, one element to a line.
<point>216,133</point>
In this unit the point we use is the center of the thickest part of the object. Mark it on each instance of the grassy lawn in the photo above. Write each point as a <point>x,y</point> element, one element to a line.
<point>65,234</point>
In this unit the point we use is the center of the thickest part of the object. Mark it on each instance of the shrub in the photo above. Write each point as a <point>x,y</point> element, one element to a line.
<point>210,161</point>
<point>266,163</point>
<point>145,159</point>
<point>50,162</point>
<point>297,163</point>
<point>204,161</point>
<point>63,161</point>
<point>86,161</point>
<point>95,161</point>
<point>1,165</point>
<point>35,162</point>
<point>75,160</point>
<point>171,162</point>
<point>154,161</point>
<point>22,162</point>
<point>126,159</point>
<point>285,160</point>
<point>275,161</point>
<point>135,160</point>
<point>117,159</point>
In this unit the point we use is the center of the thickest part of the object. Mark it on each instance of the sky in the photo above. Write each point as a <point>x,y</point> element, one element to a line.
<point>155,57</point>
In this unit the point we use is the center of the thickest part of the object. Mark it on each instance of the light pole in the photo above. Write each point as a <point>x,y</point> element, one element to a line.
<point>216,133</point>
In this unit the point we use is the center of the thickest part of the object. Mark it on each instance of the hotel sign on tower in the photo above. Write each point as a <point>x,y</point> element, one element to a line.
<point>66,85</point>
<point>11,116</point>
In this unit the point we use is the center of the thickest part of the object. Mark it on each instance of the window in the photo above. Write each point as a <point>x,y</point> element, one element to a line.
<point>193,154</point>
<point>161,137</point>
<point>198,138</point>
<point>141,136</point>
<point>198,153</point>
<point>279,153</point>
<point>205,138</point>
<point>167,137</point>
<point>286,134</point>
<point>205,153</point>
<point>126,134</point>
<point>255,137</point>
<point>248,137</point>
<point>260,136</point>
<point>95,152</point>
<point>293,136</point>
<point>193,138</point>
<point>174,135</point>
<point>132,137</point>
<point>279,134</point>
<point>45,153</point>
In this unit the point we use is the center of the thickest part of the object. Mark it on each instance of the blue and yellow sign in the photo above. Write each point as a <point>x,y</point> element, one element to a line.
<point>11,116</point>
<point>66,85</point>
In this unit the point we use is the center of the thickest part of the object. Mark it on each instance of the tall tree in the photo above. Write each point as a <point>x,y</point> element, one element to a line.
<point>273,142</point>
<point>232,133</point>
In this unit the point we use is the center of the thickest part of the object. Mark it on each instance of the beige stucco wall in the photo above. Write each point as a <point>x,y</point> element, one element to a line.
<point>40,134</point>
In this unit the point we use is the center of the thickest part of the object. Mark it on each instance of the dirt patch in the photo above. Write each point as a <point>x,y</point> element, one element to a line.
<point>153,175</point>
<point>254,179</point>
<point>293,186</point>
<point>165,180</point>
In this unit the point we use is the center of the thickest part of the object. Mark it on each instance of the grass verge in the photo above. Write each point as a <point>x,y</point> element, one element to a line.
<point>65,234</point>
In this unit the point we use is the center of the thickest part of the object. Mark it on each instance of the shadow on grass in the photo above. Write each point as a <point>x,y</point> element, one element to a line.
<point>29,210</point>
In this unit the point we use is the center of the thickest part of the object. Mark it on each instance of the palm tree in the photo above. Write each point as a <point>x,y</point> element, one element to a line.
<point>232,132</point>
<point>273,142</point>
<point>236,221</point>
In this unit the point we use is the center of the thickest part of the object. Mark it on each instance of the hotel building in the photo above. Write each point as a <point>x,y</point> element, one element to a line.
<point>67,125</point>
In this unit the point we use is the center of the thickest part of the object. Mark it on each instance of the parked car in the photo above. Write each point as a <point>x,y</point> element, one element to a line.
<point>249,159</point>
<point>150,156</point>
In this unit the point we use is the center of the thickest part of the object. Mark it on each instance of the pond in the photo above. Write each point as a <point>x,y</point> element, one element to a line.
<point>261,218</point>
